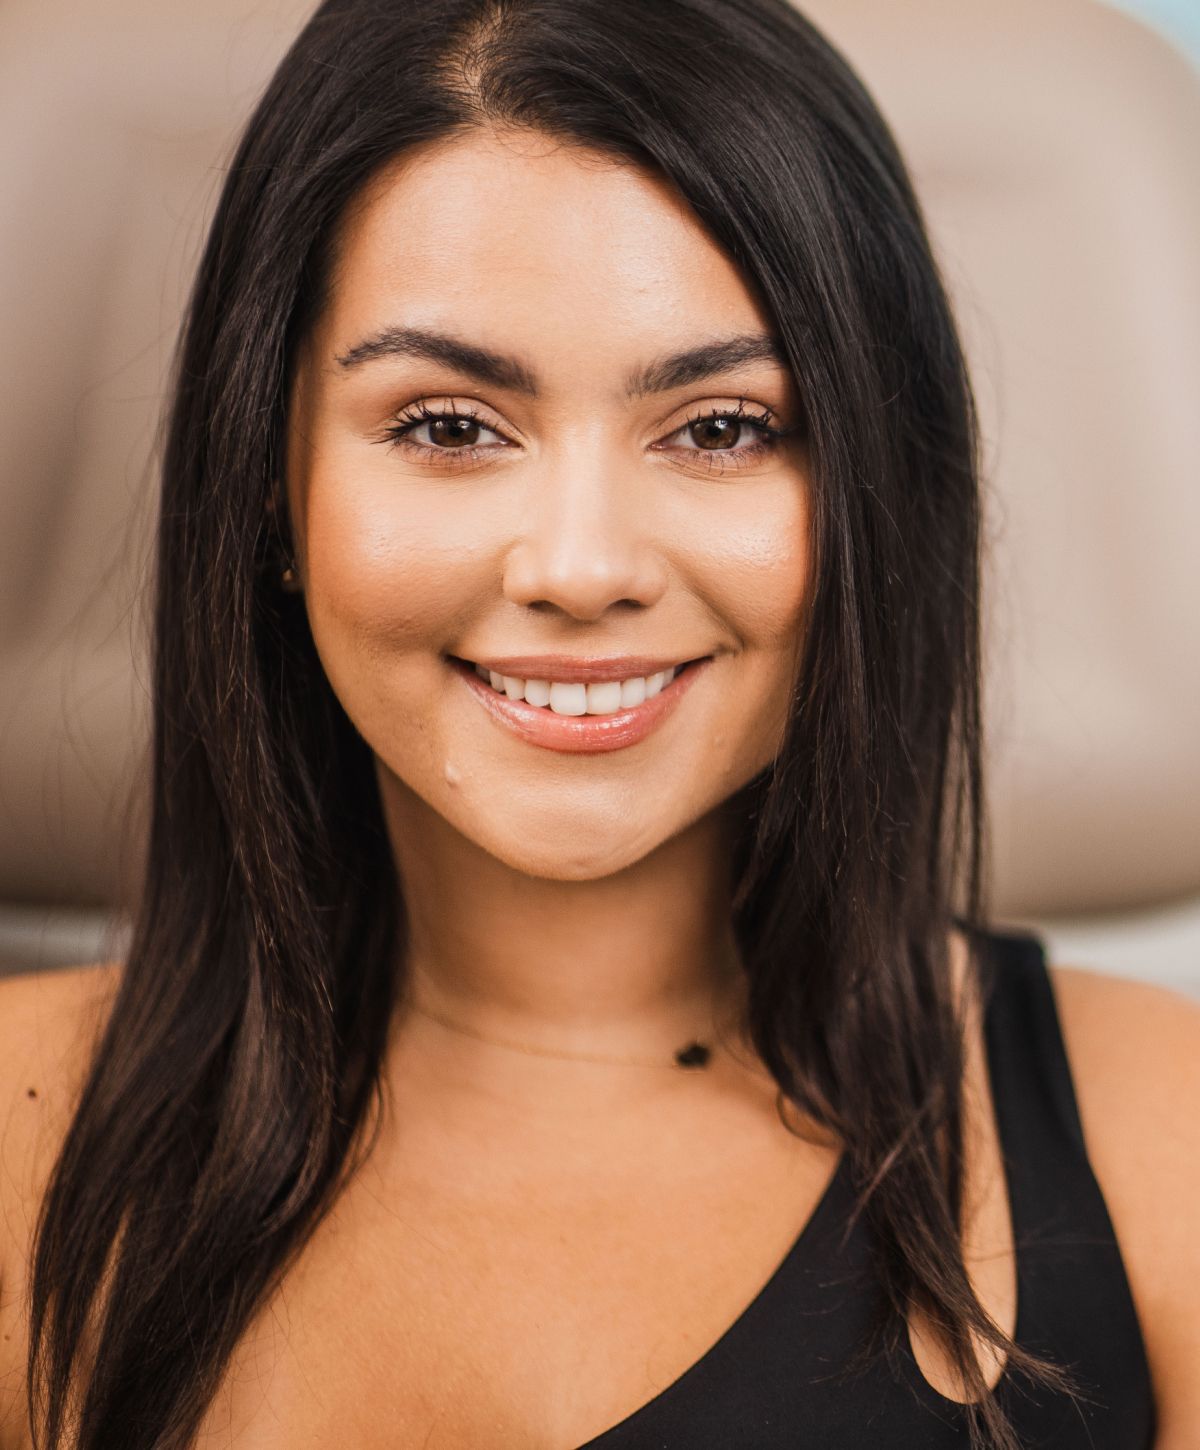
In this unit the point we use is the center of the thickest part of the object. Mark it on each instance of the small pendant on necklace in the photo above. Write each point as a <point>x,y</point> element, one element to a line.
<point>695,1054</point>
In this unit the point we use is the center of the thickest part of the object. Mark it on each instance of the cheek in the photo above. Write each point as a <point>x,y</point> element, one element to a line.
<point>382,575</point>
<point>765,585</point>
<point>761,564</point>
<point>385,580</point>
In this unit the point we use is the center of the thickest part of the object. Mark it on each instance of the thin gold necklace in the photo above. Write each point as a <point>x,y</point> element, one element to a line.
<point>691,1056</point>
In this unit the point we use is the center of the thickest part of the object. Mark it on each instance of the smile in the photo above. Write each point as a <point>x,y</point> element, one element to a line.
<point>605,697</point>
<point>573,716</point>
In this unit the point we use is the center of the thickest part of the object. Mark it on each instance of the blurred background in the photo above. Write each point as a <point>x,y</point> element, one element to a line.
<point>1054,144</point>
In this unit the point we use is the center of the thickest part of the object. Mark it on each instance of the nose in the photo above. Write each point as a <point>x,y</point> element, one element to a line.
<point>587,541</point>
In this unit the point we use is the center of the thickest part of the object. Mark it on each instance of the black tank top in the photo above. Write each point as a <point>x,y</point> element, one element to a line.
<point>771,1380</point>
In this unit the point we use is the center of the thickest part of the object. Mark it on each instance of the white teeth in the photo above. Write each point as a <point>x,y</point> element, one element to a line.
<point>568,699</point>
<point>633,692</point>
<point>604,698</point>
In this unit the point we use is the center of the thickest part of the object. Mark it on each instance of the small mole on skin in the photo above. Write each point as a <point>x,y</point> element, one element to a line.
<point>451,773</point>
<point>31,1092</point>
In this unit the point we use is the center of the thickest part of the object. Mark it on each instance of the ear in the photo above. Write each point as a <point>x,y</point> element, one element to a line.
<point>282,559</point>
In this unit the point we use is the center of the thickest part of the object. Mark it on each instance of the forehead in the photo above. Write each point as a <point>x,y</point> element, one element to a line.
<point>518,235</point>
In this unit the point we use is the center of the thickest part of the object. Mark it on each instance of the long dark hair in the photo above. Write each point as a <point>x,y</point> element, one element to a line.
<point>237,1080</point>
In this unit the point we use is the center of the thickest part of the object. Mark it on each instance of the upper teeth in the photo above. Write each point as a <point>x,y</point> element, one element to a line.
<point>603,698</point>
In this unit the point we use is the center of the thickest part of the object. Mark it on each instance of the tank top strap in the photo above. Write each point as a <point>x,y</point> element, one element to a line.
<point>1037,1113</point>
<point>1074,1302</point>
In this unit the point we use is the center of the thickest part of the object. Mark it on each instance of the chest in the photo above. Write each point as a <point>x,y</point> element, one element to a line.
<point>420,1316</point>
<point>433,1308</point>
<point>426,1319</point>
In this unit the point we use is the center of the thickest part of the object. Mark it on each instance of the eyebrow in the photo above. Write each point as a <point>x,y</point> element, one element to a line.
<point>502,370</point>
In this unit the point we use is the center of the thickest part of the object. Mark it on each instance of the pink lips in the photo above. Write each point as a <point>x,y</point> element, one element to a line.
<point>580,733</point>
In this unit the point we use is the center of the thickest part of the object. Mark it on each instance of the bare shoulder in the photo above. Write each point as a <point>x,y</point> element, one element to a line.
<point>49,1023</point>
<point>1134,1051</point>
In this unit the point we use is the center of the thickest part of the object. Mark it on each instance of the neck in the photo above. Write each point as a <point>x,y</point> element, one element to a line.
<point>633,964</point>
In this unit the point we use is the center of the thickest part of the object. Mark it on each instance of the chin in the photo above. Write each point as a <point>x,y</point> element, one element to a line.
<point>569,862</point>
<point>566,851</point>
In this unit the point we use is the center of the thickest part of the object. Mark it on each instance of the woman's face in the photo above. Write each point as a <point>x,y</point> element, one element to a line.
<point>582,491</point>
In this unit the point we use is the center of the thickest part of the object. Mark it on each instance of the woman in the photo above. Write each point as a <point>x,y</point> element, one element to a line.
<point>562,1009</point>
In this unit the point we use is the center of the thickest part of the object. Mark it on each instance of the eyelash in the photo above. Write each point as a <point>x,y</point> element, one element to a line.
<point>396,435</point>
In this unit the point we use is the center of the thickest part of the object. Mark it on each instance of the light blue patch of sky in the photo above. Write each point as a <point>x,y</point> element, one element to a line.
<point>1178,20</point>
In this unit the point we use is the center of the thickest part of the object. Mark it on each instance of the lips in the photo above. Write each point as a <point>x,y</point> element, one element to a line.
<point>576,734</point>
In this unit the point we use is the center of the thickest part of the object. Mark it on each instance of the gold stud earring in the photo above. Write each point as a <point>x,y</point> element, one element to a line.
<point>289,580</point>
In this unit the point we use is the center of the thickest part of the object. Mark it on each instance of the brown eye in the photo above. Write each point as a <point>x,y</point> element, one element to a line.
<point>444,433</point>
<point>718,431</point>
<point>449,431</point>
<point>728,438</point>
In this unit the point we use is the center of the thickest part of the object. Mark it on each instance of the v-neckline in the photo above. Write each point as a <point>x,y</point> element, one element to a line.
<point>727,1341</point>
